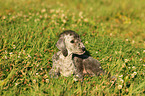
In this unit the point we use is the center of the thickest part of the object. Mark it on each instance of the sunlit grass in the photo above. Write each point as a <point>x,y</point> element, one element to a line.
<point>112,31</point>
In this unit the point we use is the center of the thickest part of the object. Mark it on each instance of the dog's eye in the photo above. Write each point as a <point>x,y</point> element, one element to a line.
<point>72,41</point>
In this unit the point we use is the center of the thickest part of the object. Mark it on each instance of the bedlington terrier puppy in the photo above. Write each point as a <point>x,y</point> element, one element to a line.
<point>70,60</point>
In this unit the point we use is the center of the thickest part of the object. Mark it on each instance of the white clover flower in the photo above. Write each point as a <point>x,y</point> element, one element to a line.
<point>134,73</point>
<point>86,42</point>
<point>62,15</point>
<point>110,34</point>
<point>16,84</point>
<point>133,67</point>
<point>126,39</point>
<point>143,51</point>
<point>119,86</point>
<point>19,52</point>
<point>30,13</point>
<point>11,53</point>
<point>133,41</point>
<point>121,80</point>
<point>40,16</point>
<point>27,19</point>
<point>4,17</point>
<point>45,76</point>
<point>126,60</point>
<point>6,57</point>
<point>112,81</point>
<point>103,59</point>
<point>45,15</point>
<point>14,46</point>
<point>25,16</point>
<point>53,21</point>
<point>36,20</point>
<point>28,62</point>
<point>43,10</point>
<point>47,80</point>
<point>37,13</point>
<point>121,76</point>
<point>82,17</point>
<point>19,56</point>
<point>64,21</point>
<point>29,56</point>
<point>23,51</point>
<point>36,73</point>
<point>58,11</point>
<point>86,20</point>
<point>79,20</point>
<point>13,17</point>
<point>96,52</point>
<point>144,65</point>
<point>34,81</point>
<point>6,51</point>
<point>120,52</point>
<point>123,65</point>
<point>52,10</point>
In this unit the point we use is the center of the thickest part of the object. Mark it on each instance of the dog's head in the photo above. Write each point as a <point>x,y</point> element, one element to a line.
<point>70,42</point>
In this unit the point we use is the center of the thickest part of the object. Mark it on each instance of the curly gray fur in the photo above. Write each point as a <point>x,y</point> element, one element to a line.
<point>71,59</point>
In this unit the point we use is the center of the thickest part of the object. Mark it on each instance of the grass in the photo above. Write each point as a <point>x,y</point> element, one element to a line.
<point>112,31</point>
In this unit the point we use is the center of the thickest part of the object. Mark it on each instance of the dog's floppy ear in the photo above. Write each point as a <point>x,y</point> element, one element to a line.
<point>61,46</point>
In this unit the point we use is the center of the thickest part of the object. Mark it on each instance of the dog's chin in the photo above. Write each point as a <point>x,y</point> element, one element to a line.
<point>80,53</point>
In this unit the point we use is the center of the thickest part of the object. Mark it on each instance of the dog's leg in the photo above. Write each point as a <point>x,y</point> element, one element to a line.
<point>79,69</point>
<point>55,70</point>
<point>92,66</point>
<point>78,75</point>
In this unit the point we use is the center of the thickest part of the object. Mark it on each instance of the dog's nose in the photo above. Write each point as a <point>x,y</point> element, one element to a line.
<point>83,48</point>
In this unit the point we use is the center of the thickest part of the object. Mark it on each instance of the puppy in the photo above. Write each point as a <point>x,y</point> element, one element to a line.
<point>70,60</point>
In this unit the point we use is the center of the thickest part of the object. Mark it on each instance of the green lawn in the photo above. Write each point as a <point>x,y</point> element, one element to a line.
<point>113,31</point>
